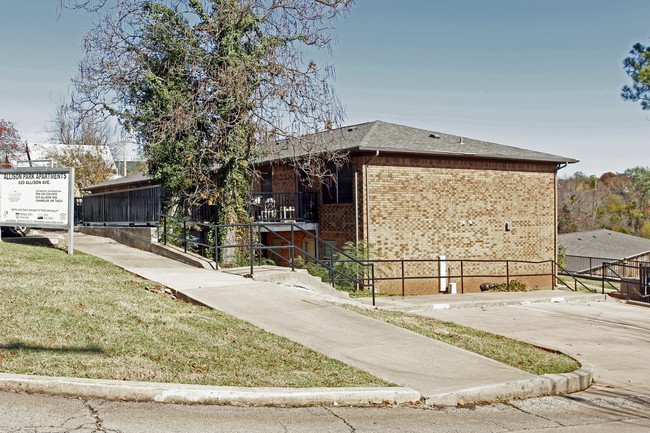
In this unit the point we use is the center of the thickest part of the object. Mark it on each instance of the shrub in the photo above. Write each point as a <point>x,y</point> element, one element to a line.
<point>343,263</point>
<point>515,286</point>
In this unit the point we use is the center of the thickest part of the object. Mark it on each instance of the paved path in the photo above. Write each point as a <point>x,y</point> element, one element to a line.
<point>399,356</point>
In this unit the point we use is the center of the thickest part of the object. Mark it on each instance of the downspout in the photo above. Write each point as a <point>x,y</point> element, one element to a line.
<point>555,221</point>
<point>356,217</point>
<point>368,200</point>
<point>356,208</point>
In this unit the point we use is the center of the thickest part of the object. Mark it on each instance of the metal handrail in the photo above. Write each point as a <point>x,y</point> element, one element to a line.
<point>621,280</point>
<point>366,277</point>
<point>591,265</point>
<point>327,264</point>
<point>257,246</point>
<point>572,275</point>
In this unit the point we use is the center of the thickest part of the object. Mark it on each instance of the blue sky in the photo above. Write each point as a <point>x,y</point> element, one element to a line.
<point>539,75</point>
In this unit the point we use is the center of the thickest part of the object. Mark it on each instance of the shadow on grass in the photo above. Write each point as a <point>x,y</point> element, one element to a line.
<point>35,241</point>
<point>16,346</point>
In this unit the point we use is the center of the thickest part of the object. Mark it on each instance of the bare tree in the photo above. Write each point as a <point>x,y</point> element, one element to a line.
<point>87,144</point>
<point>212,85</point>
<point>73,126</point>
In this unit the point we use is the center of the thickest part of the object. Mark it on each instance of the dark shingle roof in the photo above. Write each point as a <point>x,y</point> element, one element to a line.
<point>605,244</point>
<point>132,179</point>
<point>392,138</point>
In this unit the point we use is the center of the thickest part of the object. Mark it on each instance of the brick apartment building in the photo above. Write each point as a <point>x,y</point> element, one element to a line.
<point>417,194</point>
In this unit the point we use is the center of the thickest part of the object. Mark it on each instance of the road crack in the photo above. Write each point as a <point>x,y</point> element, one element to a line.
<point>99,427</point>
<point>352,429</point>
<point>507,403</point>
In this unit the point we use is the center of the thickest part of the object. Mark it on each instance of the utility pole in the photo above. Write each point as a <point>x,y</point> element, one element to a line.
<point>124,155</point>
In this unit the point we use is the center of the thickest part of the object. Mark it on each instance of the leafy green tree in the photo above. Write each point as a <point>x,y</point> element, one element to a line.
<point>640,177</point>
<point>637,67</point>
<point>207,86</point>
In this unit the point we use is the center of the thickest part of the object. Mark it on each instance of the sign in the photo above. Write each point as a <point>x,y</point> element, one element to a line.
<point>38,197</point>
<point>35,197</point>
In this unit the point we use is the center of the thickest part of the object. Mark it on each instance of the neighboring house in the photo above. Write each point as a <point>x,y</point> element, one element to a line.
<point>587,250</point>
<point>132,167</point>
<point>43,152</point>
<point>93,164</point>
<point>418,194</point>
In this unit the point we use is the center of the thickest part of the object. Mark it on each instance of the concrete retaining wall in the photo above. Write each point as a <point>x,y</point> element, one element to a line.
<point>141,238</point>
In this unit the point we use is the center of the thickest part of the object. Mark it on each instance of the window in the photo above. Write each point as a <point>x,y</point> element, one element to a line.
<point>303,183</point>
<point>276,252</point>
<point>309,246</point>
<point>328,249</point>
<point>339,188</point>
<point>267,181</point>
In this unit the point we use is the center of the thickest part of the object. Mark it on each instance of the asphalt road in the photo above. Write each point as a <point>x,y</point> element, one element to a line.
<point>594,411</point>
<point>613,337</point>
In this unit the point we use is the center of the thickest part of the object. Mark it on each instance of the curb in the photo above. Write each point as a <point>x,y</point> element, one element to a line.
<point>415,309</point>
<point>118,390</point>
<point>202,394</point>
<point>637,303</point>
<point>560,299</point>
<point>548,384</point>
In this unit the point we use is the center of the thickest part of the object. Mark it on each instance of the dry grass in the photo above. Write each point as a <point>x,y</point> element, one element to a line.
<point>591,284</point>
<point>508,351</point>
<point>81,316</point>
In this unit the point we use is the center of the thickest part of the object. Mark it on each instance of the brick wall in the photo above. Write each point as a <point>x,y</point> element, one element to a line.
<point>278,251</point>
<point>338,222</point>
<point>284,179</point>
<point>426,207</point>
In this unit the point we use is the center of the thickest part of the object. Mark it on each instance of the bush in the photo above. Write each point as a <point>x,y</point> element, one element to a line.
<point>515,286</point>
<point>343,264</point>
<point>561,256</point>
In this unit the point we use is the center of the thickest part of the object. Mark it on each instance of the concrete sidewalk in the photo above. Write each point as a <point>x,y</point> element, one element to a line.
<point>442,374</point>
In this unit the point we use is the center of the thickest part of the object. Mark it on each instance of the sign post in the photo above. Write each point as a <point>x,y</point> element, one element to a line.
<point>40,197</point>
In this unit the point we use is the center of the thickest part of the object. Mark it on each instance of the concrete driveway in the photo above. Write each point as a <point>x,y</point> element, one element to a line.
<point>612,336</point>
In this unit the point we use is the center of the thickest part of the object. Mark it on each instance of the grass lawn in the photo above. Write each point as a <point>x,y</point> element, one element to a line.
<point>83,317</point>
<point>511,352</point>
<point>591,284</point>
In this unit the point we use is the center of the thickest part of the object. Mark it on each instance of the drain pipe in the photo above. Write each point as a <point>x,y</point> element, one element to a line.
<point>356,217</point>
<point>368,199</point>
<point>356,207</point>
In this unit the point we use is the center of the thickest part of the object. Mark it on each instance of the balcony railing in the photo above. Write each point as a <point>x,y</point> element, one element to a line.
<point>283,206</point>
<point>137,206</point>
